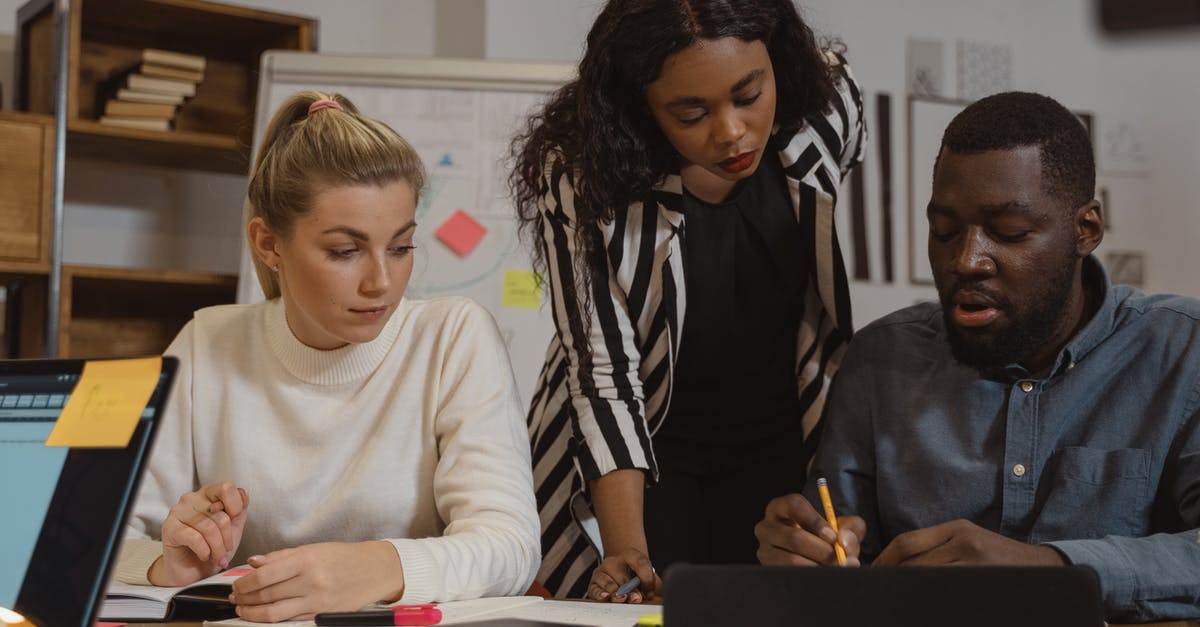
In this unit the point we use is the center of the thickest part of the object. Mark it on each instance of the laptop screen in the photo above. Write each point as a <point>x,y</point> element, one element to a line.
<point>62,508</point>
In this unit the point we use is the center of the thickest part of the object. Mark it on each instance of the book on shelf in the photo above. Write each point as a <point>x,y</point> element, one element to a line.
<point>173,59</point>
<point>207,599</point>
<point>149,124</point>
<point>165,71</point>
<point>154,110</point>
<point>132,95</point>
<point>139,82</point>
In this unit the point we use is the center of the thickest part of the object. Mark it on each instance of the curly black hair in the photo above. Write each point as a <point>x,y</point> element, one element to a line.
<point>1015,119</point>
<point>600,129</point>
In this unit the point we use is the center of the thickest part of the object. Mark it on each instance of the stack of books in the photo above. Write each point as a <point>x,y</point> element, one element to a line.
<point>149,95</point>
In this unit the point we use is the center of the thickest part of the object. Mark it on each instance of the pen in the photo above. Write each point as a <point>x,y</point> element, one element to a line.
<point>628,586</point>
<point>827,503</point>
<point>425,614</point>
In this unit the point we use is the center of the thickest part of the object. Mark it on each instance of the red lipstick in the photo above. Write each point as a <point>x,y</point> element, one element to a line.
<point>740,163</point>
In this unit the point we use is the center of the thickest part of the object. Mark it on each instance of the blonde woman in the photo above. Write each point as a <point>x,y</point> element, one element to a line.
<point>350,444</point>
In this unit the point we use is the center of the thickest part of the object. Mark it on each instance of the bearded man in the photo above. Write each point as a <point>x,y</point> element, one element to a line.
<point>1037,414</point>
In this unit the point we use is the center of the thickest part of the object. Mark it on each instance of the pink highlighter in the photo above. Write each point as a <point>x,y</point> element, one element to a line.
<point>424,614</point>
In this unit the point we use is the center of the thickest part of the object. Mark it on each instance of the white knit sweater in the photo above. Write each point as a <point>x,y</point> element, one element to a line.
<point>416,437</point>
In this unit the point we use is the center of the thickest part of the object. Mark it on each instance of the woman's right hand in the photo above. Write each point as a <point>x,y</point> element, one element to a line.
<point>620,567</point>
<point>200,534</point>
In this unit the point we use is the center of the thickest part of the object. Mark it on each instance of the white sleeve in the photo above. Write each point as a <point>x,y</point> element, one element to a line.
<point>483,484</point>
<point>169,475</point>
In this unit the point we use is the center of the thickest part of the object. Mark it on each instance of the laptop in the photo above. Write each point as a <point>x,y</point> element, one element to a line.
<point>769,596</point>
<point>63,509</point>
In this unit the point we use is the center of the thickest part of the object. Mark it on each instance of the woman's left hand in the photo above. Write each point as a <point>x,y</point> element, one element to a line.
<point>295,584</point>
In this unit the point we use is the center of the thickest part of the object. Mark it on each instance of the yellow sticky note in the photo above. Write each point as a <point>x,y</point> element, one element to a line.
<point>650,620</point>
<point>521,290</point>
<point>106,404</point>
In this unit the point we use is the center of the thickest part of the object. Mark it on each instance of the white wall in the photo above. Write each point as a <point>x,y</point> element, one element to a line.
<point>557,33</point>
<point>138,216</point>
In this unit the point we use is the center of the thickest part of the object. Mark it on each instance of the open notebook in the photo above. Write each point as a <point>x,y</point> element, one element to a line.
<point>529,608</point>
<point>207,599</point>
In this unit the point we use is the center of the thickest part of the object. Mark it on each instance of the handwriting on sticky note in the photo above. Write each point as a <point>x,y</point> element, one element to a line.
<point>105,405</point>
<point>461,233</point>
<point>521,290</point>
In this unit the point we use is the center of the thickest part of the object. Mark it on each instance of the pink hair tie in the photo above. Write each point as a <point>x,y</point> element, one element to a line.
<point>324,103</point>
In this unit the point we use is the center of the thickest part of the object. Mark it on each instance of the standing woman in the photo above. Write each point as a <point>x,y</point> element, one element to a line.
<point>692,167</point>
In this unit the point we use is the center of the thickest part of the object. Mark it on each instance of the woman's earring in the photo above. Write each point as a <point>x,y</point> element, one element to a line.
<point>275,268</point>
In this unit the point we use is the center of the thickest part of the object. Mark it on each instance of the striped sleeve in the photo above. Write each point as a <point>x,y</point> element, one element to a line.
<point>848,109</point>
<point>606,396</point>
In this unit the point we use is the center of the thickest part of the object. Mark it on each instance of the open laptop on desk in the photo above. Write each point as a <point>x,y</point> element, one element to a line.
<point>719,596</point>
<point>62,509</point>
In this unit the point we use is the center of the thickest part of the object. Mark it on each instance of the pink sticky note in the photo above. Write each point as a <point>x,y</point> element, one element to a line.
<point>238,572</point>
<point>104,624</point>
<point>461,233</point>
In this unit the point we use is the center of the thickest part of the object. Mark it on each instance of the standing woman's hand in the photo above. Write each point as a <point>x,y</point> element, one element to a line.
<point>620,567</point>
<point>617,501</point>
<point>200,534</point>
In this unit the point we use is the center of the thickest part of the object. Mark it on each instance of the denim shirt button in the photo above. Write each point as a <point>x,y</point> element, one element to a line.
<point>1026,386</point>
<point>1019,470</point>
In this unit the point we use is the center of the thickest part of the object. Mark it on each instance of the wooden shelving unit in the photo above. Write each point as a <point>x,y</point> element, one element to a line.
<point>106,38</point>
<point>26,150</point>
<point>116,312</point>
<point>26,167</point>
<point>122,311</point>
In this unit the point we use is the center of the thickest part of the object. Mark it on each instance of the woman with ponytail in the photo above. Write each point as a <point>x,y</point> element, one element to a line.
<point>350,444</point>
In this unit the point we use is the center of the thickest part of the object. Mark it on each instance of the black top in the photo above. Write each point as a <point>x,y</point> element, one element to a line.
<point>734,397</point>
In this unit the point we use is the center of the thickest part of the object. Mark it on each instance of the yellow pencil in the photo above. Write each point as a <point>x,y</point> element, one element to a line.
<point>827,503</point>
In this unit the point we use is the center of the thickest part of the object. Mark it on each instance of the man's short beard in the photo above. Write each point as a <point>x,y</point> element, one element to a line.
<point>1027,333</point>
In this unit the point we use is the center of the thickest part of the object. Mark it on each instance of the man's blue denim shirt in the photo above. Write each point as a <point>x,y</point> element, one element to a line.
<point>1100,459</point>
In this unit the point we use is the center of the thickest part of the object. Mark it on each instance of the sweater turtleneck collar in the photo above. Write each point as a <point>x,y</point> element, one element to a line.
<point>339,366</point>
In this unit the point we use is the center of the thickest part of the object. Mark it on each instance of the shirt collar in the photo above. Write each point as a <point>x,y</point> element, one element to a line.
<point>348,364</point>
<point>1099,327</point>
<point>1087,338</point>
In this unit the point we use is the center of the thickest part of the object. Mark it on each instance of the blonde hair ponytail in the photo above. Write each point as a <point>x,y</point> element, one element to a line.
<point>305,152</point>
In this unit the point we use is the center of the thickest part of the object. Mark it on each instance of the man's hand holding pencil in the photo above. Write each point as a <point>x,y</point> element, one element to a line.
<point>794,533</point>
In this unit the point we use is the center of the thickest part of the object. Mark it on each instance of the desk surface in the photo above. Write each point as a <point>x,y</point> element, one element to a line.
<point>1180,623</point>
<point>529,608</point>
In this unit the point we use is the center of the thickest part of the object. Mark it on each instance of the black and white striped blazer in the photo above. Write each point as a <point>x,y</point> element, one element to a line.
<point>592,416</point>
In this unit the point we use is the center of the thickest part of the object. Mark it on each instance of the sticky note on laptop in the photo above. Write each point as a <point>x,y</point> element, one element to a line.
<point>106,404</point>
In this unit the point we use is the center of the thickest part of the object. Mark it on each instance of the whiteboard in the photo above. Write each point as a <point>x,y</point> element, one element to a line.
<point>460,116</point>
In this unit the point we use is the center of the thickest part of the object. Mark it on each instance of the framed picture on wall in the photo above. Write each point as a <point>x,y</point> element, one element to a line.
<point>927,119</point>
